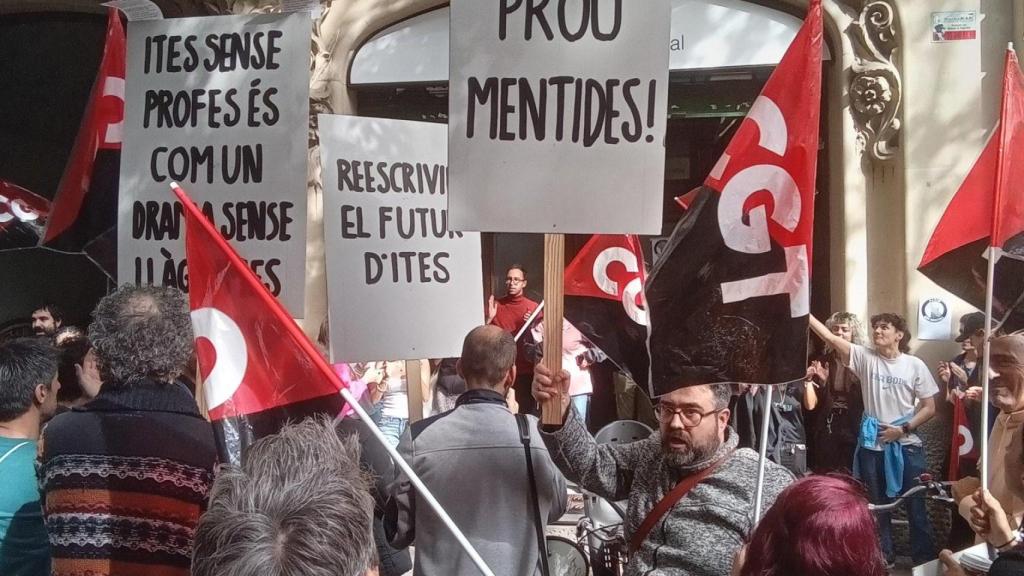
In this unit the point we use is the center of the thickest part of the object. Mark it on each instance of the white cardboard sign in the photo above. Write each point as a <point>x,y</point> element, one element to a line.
<point>557,115</point>
<point>401,283</point>
<point>221,105</point>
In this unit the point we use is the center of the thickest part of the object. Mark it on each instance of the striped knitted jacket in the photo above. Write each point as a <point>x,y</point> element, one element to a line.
<point>125,479</point>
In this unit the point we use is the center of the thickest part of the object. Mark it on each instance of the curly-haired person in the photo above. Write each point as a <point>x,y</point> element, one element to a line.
<point>125,477</point>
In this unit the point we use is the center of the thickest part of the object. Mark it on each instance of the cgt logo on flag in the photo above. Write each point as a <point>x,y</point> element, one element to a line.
<point>747,230</point>
<point>604,299</point>
<point>22,216</point>
<point>610,267</point>
<point>14,208</point>
<point>730,296</point>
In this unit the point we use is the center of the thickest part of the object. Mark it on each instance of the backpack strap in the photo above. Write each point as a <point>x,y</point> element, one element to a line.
<point>524,437</point>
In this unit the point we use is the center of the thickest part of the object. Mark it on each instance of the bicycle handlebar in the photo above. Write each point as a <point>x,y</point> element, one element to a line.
<point>925,484</point>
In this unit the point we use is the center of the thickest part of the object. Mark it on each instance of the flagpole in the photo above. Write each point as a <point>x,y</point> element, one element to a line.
<point>992,255</point>
<point>320,364</point>
<point>420,487</point>
<point>529,320</point>
<point>762,452</point>
<point>993,252</point>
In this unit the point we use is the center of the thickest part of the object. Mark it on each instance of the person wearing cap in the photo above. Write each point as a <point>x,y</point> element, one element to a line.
<point>961,373</point>
<point>959,377</point>
<point>1006,393</point>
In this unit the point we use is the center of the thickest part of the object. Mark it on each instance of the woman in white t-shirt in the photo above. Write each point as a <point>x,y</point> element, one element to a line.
<point>899,396</point>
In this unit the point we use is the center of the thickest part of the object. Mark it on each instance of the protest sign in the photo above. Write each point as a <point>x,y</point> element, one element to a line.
<point>219,104</point>
<point>402,284</point>
<point>557,115</point>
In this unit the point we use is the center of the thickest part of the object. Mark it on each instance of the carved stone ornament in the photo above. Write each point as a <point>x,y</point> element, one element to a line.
<point>875,85</point>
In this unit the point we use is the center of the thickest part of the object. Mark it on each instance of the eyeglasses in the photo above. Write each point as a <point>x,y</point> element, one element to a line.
<point>691,417</point>
<point>515,280</point>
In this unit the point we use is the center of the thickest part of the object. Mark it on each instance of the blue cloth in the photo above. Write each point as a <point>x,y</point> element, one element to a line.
<point>892,453</point>
<point>581,402</point>
<point>872,464</point>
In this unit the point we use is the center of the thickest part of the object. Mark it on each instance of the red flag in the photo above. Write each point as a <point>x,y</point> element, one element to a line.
<point>604,300</point>
<point>609,266</point>
<point>22,216</point>
<point>987,210</point>
<point>1008,209</point>
<point>85,206</point>
<point>963,445</point>
<point>253,357</point>
<point>729,298</point>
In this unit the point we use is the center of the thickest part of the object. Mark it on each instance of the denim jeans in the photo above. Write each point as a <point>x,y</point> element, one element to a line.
<point>392,428</point>
<point>581,402</point>
<point>872,470</point>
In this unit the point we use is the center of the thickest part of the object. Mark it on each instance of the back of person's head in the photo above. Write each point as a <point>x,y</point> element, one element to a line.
<point>72,353</point>
<point>488,353</point>
<point>141,332</point>
<point>818,526</point>
<point>899,323</point>
<point>298,506</point>
<point>25,364</point>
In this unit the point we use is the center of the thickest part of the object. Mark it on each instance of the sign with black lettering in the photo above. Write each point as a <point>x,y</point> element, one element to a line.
<point>401,282</point>
<point>221,105</point>
<point>557,115</point>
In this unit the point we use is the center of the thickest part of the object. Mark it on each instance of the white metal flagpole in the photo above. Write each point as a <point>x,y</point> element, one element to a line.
<point>354,403</point>
<point>763,450</point>
<point>993,253</point>
<point>529,320</point>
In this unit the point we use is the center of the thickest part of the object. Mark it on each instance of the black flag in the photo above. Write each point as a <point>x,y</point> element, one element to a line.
<point>730,298</point>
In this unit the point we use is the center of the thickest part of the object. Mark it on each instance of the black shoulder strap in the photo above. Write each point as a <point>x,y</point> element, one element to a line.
<point>524,436</point>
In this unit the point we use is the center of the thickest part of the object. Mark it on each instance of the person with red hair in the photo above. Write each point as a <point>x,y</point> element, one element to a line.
<point>818,526</point>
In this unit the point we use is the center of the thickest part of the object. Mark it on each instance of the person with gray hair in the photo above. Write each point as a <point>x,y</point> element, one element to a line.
<point>125,476</point>
<point>690,487</point>
<point>472,459</point>
<point>299,505</point>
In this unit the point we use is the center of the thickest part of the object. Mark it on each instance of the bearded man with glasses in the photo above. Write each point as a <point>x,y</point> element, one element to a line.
<point>690,489</point>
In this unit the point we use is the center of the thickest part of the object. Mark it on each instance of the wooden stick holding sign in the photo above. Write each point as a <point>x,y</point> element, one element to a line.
<point>554,292</point>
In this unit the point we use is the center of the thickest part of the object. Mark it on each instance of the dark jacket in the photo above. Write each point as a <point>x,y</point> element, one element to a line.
<point>374,458</point>
<point>1010,563</point>
<point>125,479</point>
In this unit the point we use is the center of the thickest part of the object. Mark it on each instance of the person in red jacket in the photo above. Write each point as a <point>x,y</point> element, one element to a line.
<point>510,313</point>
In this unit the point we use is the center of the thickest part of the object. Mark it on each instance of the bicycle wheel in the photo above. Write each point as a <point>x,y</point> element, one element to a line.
<point>566,558</point>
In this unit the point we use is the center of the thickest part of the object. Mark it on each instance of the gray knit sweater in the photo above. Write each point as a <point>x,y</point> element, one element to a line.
<point>696,537</point>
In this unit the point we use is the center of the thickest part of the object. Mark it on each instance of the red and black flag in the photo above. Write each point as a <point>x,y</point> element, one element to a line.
<point>963,452</point>
<point>604,300</point>
<point>22,216</point>
<point>84,213</point>
<point>988,210</point>
<point>728,300</point>
<point>259,370</point>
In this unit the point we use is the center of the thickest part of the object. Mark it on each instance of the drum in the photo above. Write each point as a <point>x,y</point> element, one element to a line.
<point>566,558</point>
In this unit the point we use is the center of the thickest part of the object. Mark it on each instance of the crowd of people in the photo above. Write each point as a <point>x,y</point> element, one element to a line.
<point>108,466</point>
